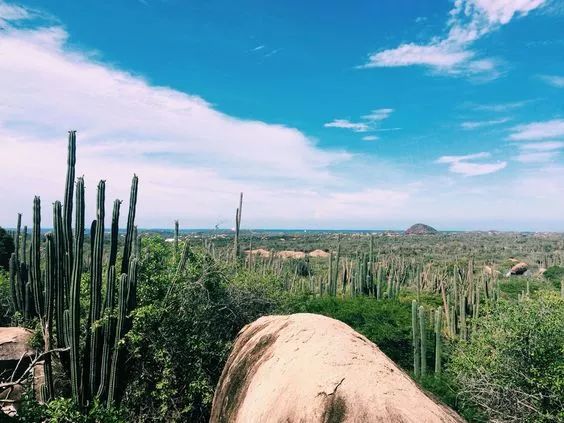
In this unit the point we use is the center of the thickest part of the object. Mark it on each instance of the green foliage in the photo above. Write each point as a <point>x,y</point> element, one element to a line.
<point>516,285</point>
<point>6,248</point>
<point>513,367</point>
<point>183,331</point>
<point>5,295</point>
<point>387,323</point>
<point>65,410</point>
<point>555,275</point>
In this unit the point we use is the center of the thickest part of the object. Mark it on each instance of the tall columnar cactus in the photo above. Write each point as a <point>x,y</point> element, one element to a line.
<point>97,243</point>
<point>176,233</point>
<point>53,290</point>
<point>73,315</point>
<point>438,343</point>
<point>415,339</point>
<point>236,247</point>
<point>35,261</point>
<point>423,338</point>
<point>50,275</point>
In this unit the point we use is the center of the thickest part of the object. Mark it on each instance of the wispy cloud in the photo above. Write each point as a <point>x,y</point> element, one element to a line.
<point>538,130</point>
<point>370,138</point>
<point>538,157</point>
<point>500,107</point>
<point>378,115</point>
<point>543,146</point>
<point>369,122</point>
<point>466,166</point>
<point>554,80</point>
<point>483,123</point>
<point>347,124</point>
<point>469,20</point>
<point>539,152</point>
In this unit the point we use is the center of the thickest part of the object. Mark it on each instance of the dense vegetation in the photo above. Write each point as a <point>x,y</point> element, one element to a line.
<point>490,346</point>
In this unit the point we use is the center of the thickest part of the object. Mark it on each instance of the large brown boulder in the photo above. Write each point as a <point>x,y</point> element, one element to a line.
<point>310,368</point>
<point>14,345</point>
<point>519,268</point>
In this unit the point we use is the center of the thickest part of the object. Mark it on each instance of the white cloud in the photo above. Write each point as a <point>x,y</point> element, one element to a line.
<point>370,138</point>
<point>483,123</point>
<point>441,56</point>
<point>537,157</point>
<point>186,152</point>
<point>469,21</point>
<point>193,160</point>
<point>464,166</point>
<point>543,146</point>
<point>502,11</point>
<point>369,123</point>
<point>378,115</point>
<point>554,80</point>
<point>346,124</point>
<point>539,152</point>
<point>500,107</point>
<point>454,159</point>
<point>9,12</point>
<point>538,130</point>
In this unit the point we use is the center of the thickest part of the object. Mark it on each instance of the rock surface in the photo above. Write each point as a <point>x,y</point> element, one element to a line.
<point>14,343</point>
<point>421,229</point>
<point>318,253</point>
<point>519,268</point>
<point>311,368</point>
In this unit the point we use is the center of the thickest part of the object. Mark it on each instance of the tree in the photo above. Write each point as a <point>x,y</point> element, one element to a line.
<point>6,248</point>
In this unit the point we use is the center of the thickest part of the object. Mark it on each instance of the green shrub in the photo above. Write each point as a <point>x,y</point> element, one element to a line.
<point>6,248</point>
<point>5,298</point>
<point>513,367</point>
<point>555,275</point>
<point>183,331</point>
<point>64,410</point>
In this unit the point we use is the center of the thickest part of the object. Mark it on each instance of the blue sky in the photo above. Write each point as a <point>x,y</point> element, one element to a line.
<point>357,114</point>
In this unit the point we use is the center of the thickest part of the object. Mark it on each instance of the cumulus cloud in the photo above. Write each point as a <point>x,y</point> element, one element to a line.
<point>464,165</point>
<point>469,20</point>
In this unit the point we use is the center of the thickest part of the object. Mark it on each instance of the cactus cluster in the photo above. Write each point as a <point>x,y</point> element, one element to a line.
<point>420,335</point>
<point>47,286</point>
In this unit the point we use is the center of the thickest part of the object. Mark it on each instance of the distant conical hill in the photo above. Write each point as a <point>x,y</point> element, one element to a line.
<point>421,229</point>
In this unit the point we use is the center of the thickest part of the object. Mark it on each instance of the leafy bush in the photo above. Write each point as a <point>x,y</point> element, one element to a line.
<point>64,410</point>
<point>6,248</point>
<point>555,274</point>
<point>513,367</point>
<point>183,330</point>
<point>5,298</point>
